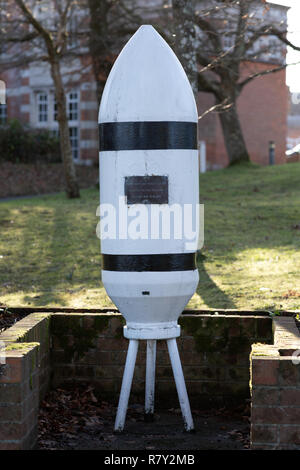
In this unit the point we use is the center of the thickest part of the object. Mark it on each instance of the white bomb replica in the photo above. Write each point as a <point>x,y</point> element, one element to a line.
<point>149,168</point>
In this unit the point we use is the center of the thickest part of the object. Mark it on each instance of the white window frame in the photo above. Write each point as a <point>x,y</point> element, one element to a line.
<point>42,107</point>
<point>73,102</point>
<point>73,112</point>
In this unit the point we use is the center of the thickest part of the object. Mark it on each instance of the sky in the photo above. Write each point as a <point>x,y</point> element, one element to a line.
<point>293,71</point>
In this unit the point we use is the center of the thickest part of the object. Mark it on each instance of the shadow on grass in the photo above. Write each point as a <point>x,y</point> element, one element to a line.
<point>209,292</point>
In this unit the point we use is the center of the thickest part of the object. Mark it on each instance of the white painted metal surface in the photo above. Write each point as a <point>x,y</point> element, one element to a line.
<point>126,384</point>
<point>147,84</point>
<point>150,379</point>
<point>180,385</point>
<point>156,85</point>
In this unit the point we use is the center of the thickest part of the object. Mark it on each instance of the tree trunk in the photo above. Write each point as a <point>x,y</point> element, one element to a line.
<point>100,42</point>
<point>72,187</point>
<point>233,135</point>
<point>186,42</point>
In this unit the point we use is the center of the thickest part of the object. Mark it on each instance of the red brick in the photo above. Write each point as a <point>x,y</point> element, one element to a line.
<point>288,373</point>
<point>8,445</point>
<point>12,431</point>
<point>117,357</point>
<point>65,371</point>
<point>234,327</point>
<point>89,114</point>
<point>188,344</point>
<point>266,415</point>
<point>88,95</point>
<point>88,321</point>
<point>13,370</point>
<point>109,344</point>
<point>290,434</point>
<point>116,326</point>
<point>141,358</point>
<point>263,328</point>
<point>275,415</point>
<point>11,393</point>
<point>88,134</point>
<point>290,397</point>
<point>264,433</point>
<point>139,373</point>
<point>162,345</point>
<point>162,357</point>
<point>108,372</point>
<point>264,371</point>
<point>265,396</point>
<point>165,372</point>
<point>84,371</point>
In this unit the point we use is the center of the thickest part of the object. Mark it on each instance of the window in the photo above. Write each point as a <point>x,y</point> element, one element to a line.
<point>72,106</point>
<point>74,142</point>
<point>72,103</point>
<point>47,115</point>
<point>42,100</point>
<point>3,113</point>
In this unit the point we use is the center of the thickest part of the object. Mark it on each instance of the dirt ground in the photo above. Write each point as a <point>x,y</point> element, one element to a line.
<point>73,420</point>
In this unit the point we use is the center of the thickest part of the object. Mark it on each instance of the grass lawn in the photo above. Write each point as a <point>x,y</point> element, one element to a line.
<point>49,252</point>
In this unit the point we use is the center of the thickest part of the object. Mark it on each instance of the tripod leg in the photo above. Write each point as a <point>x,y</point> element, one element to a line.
<point>180,384</point>
<point>150,379</point>
<point>126,385</point>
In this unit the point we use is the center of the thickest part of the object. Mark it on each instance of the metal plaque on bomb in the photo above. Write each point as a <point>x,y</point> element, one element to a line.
<point>147,189</point>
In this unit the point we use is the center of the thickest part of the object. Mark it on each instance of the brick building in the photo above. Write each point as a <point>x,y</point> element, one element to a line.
<point>263,106</point>
<point>293,121</point>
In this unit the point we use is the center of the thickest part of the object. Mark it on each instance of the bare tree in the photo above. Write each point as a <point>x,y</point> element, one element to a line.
<point>185,34</point>
<point>39,32</point>
<point>228,34</point>
<point>112,22</point>
<point>100,41</point>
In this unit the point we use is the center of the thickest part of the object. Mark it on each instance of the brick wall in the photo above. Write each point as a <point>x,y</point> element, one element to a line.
<point>19,397</point>
<point>89,347</point>
<point>275,390</point>
<point>34,328</point>
<point>214,352</point>
<point>262,107</point>
<point>24,380</point>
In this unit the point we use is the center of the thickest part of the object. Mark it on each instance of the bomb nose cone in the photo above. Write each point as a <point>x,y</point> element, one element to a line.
<point>147,83</point>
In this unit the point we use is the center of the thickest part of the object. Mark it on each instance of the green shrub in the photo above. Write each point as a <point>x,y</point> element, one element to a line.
<point>22,144</point>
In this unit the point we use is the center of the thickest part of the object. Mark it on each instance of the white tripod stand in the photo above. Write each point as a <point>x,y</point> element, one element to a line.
<point>150,382</point>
